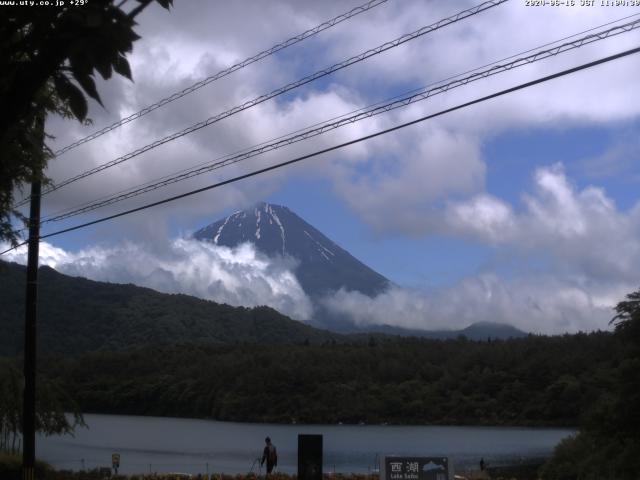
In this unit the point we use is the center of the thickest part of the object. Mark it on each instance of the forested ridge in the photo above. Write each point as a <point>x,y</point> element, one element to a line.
<point>77,315</point>
<point>531,381</point>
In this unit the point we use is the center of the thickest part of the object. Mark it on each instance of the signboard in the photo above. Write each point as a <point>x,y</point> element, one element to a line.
<point>417,468</point>
<point>115,461</point>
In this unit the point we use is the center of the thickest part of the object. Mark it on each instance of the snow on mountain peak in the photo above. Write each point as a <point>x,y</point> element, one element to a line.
<point>276,231</point>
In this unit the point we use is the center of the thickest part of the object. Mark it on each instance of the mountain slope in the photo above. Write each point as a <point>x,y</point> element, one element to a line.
<point>277,231</point>
<point>323,267</point>
<point>493,330</point>
<point>479,331</point>
<point>78,315</point>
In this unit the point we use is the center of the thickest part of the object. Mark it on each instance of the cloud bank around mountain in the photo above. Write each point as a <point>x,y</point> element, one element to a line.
<point>424,180</point>
<point>239,276</point>
<point>572,255</point>
<point>542,304</point>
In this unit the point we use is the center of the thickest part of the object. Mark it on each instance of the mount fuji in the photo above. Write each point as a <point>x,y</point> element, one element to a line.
<point>322,265</point>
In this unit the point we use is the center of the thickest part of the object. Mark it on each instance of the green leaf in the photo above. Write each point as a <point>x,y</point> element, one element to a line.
<point>88,85</point>
<point>104,68</point>
<point>93,19</point>
<point>72,95</point>
<point>122,67</point>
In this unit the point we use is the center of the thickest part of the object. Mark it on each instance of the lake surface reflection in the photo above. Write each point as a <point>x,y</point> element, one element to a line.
<point>153,444</point>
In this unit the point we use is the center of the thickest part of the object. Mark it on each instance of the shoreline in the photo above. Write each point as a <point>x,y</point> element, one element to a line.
<point>150,444</point>
<point>537,426</point>
<point>10,469</point>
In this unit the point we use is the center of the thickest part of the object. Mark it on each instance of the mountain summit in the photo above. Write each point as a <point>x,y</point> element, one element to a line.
<point>276,231</point>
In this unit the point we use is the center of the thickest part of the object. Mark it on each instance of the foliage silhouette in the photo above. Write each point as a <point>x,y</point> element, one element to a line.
<point>48,61</point>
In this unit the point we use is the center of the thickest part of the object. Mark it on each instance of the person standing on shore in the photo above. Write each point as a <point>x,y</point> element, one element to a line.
<point>270,455</point>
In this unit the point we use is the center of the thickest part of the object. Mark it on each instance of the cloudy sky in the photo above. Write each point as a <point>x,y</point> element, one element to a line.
<point>523,209</point>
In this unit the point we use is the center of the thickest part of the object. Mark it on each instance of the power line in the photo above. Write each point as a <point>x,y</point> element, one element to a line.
<point>396,97</point>
<point>152,182</point>
<point>367,112</point>
<point>263,98</point>
<point>227,71</point>
<point>375,109</point>
<point>345,144</point>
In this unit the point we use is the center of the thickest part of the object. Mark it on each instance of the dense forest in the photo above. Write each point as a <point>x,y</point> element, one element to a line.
<point>529,381</point>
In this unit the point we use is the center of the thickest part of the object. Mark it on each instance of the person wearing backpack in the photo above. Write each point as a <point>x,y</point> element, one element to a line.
<point>270,455</point>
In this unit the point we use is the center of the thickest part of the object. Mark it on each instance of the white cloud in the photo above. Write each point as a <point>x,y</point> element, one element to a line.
<point>239,276</point>
<point>400,188</point>
<point>575,256</point>
<point>414,169</point>
<point>581,229</point>
<point>539,304</point>
<point>424,179</point>
<point>482,215</point>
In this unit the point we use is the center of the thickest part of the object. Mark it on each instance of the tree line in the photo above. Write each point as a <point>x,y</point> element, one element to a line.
<point>607,447</point>
<point>112,317</point>
<point>537,380</point>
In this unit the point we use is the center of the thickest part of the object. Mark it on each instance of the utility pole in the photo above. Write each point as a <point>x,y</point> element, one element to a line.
<point>29,399</point>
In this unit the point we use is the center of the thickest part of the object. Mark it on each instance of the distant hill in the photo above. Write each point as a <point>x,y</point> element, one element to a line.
<point>275,230</point>
<point>78,315</point>
<point>485,330</point>
<point>480,331</point>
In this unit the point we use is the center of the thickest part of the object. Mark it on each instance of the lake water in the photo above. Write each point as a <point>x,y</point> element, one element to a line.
<point>152,444</point>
